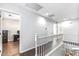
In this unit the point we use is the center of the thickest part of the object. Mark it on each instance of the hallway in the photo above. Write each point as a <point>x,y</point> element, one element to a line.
<point>46,29</point>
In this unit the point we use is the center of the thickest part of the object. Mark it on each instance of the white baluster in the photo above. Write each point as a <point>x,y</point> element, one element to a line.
<point>36,44</point>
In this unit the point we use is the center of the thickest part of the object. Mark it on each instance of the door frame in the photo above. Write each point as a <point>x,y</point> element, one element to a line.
<point>2,16</point>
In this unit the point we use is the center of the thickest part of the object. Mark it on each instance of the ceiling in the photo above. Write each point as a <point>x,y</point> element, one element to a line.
<point>60,11</point>
<point>11,16</point>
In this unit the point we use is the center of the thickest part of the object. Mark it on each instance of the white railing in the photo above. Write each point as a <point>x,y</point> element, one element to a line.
<point>45,44</point>
<point>71,48</point>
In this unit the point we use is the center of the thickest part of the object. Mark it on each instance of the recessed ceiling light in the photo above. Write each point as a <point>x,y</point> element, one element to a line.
<point>49,15</point>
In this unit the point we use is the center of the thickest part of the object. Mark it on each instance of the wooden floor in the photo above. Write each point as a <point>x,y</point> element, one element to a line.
<point>10,49</point>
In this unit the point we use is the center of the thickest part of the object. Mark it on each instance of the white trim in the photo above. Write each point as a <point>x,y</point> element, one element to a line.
<point>1,32</point>
<point>54,49</point>
<point>36,44</point>
<point>26,50</point>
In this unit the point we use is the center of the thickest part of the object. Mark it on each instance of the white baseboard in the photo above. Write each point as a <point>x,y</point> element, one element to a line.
<point>26,50</point>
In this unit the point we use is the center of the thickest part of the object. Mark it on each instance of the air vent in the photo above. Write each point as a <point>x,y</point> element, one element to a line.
<point>34,6</point>
<point>51,15</point>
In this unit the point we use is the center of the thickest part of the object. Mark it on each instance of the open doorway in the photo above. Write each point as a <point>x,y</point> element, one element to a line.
<point>10,33</point>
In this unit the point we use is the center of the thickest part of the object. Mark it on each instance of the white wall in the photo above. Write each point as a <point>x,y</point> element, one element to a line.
<point>29,26</point>
<point>71,31</point>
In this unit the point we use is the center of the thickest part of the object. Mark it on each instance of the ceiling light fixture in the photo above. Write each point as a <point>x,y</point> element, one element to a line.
<point>49,15</point>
